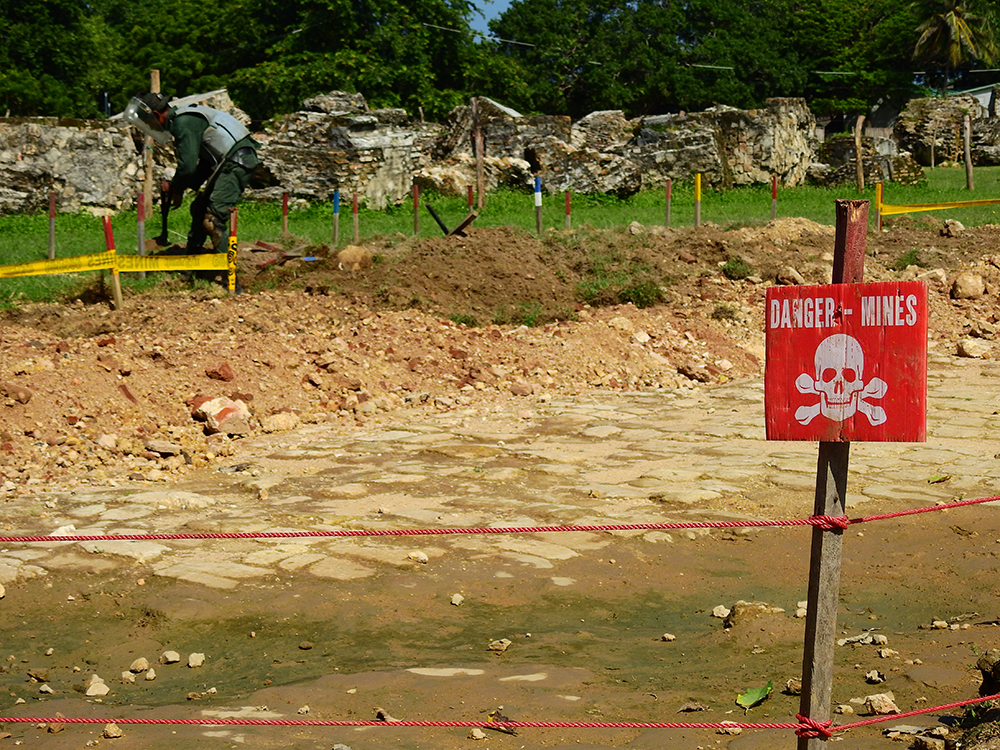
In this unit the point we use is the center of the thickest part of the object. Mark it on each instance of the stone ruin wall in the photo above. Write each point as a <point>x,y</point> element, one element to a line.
<point>337,142</point>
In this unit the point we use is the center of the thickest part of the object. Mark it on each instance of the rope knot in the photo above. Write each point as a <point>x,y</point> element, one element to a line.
<point>813,728</point>
<point>829,523</point>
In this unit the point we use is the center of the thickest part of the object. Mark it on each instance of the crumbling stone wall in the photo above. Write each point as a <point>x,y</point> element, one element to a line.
<point>86,163</point>
<point>337,142</point>
<point>932,129</point>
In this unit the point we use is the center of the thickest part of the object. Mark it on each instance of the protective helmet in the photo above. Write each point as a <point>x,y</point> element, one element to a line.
<point>143,111</point>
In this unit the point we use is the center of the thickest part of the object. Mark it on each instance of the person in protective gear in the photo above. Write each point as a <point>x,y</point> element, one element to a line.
<point>215,153</point>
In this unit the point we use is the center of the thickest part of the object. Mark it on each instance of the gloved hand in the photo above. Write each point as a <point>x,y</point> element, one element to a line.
<point>176,199</point>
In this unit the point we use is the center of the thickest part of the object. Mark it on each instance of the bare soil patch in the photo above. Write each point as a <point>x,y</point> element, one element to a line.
<point>496,315</point>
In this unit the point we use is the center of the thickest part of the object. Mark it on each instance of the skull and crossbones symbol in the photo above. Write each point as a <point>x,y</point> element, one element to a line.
<point>839,383</point>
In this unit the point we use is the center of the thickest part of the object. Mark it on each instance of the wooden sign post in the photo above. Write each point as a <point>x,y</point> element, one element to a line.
<point>844,361</point>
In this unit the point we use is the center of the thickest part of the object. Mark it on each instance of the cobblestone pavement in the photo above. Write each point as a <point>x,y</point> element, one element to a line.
<point>618,458</point>
<point>381,608</point>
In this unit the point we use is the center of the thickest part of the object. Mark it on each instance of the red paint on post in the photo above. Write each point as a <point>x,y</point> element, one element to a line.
<point>774,187</point>
<point>52,205</point>
<point>416,208</point>
<point>470,197</point>
<point>847,362</point>
<point>109,237</point>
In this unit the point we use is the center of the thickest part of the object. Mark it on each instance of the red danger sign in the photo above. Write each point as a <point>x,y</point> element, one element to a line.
<point>847,362</point>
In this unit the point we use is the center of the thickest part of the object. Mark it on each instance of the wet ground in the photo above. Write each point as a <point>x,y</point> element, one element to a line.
<point>333,628</point>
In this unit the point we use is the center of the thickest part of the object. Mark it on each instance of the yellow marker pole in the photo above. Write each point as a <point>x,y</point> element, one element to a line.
<point>878,204</point>
<point>231,253</point>
<point>697,200</point>
<point>116,283</point>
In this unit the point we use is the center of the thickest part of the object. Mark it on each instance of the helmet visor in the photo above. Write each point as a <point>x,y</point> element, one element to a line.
<point>139,115</point>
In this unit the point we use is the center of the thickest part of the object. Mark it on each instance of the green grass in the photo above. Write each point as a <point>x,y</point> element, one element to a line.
<point>26,238</point>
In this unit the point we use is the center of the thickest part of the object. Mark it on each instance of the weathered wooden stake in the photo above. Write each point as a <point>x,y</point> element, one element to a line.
<point>830,500</point>
<point>357,227</point>
<point>478,142</point>
<point>416,209</point>
<point>568,220</point>
<point>859,159</point>
<point>284,214</point>
<point>774,197</point>
<point>140,221</point>
<point>697,200</point>
<point>969,182</point>
<point>116,283</point>
<point>666,219</point>
<point>147,151</point>
<point>538,205</point>
<point>52,225</point>
<point>336,217</point>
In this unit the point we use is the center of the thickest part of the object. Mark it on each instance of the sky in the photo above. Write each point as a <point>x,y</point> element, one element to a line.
<point>490,9</point>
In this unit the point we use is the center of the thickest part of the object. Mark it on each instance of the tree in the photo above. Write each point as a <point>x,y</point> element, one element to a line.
<point>42,44</point>
<point>953,34</point>
<point>396,53</point>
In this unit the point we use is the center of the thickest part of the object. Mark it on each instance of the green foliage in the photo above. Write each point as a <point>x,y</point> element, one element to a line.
<point>519,314</point>
<point>736,268</point>
<point>754,696</point>
<point>954,33</point>
<point>910,258</point>
<point>464,319</point>
<point>611,279</point>
<point>561,56</point>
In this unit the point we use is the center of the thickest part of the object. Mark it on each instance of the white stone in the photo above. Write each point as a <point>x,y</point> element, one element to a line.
<point>139,665</point>
<point>196,660</point>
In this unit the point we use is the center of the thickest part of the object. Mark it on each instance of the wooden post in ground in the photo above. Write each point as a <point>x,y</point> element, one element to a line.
<point>478,142</point>
<point>774,197</point>
<point>140,228</point>
<point>538,205</point>
<point>858,157</point>
<point>357,224</point>
<point>52,225</point>
<point>416,209</point>
<point>666,218</point>
<point>697,199</point>
<point>336,217</point>
<point>109,242</point>
<point>830,500</point>
<point>967,130</point>
<point>147,152</point>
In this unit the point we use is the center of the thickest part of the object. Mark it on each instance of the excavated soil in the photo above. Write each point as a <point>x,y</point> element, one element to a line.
<point>492,321</point>
<point>495,315</point>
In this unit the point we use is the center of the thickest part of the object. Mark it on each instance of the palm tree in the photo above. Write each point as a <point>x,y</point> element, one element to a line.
<point>953,34</point>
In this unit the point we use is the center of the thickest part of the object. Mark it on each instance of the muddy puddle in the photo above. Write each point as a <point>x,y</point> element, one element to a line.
<point>586,642</point>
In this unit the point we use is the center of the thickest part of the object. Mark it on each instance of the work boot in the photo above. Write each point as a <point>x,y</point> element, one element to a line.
<point>216,230</point>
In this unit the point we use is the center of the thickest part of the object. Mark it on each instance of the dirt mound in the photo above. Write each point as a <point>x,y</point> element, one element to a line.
<point>494,319</point>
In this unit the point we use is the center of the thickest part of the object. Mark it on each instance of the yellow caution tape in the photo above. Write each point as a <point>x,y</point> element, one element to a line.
<point>125,264</point>
<point>60,265</point>
<point>886,209</point>
<point>201,262</point>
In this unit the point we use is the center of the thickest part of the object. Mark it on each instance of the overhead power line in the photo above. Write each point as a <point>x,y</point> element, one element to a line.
<point>476,33</point>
